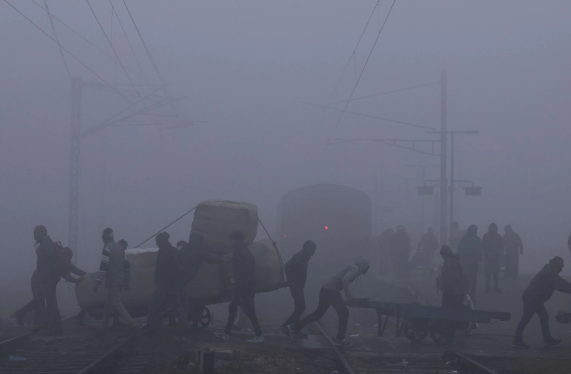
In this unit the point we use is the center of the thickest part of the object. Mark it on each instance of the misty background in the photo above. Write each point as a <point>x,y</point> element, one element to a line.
<point>247,68</point>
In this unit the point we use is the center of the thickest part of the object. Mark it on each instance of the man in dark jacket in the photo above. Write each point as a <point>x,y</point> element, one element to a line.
<point>454,283</point>
<point>112,272</point>
<point>385,251</point>
<point>296,272</point>
<point>401,248</point>
<point>513,247</point>
<point>44,283</point>
<point>428,244</point>
<point>493,248</point>
<point>470,253</point>
<point>244,277</point>
<point>169,296</point>
<point>539,290</point>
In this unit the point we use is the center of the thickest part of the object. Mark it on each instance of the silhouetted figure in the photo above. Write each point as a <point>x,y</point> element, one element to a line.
<point>244,276</point>
<point>44,283</point>
<point>428,244</point>
<point>401,248</point>
<point>540,290</point>
<point>513,248</point>
<point>470,253</point>
<point>330,295</point>
<point>453,281</point>
<point>385,242</point>
<point>493,247</point>
<point>296,272</point>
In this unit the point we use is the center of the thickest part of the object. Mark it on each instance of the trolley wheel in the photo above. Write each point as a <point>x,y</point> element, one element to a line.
<point>442,335</point>
<point>416,329</point>
<point>200,316</point>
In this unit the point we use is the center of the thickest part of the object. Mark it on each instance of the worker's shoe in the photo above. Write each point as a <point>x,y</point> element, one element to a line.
<point>518,343</point>
<point>551,342</point>
<point>257,339</point>
<point>286,329</point>
<point>222,335</point>
<point>342,342</point>
<point>19,318</point>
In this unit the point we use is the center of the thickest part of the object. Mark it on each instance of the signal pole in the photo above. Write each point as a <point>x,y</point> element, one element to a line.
<point>76,90</point>
<point>443,180</point>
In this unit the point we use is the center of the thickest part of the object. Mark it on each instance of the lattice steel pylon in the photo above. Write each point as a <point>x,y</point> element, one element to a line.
<point>74,165</point>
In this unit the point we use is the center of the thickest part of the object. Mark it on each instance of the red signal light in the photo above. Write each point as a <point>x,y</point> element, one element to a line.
<point>326,227</point>
<point>285,236</point>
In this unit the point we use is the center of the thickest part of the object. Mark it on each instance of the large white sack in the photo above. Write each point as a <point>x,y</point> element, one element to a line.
<point>216,219</point>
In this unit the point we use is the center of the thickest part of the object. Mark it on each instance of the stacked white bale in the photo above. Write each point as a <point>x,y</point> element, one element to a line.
<point>216,219</point>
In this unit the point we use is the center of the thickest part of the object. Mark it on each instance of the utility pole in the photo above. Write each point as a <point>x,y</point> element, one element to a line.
<point>74,165</point>
<point>443,180</point>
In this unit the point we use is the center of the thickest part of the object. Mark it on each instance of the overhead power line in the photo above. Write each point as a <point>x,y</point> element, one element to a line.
<point>386,93</point>
<point>148,52</point>
<point>364,67</point>
<point>353,53</point>
<point>50,16</point>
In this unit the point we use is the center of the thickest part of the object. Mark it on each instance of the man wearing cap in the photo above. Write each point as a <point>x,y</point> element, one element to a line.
<point>539,290</point>
<point>296,272</point>
<point>244,277</point>
<point>169,296</point>
<point>454,283</point>
<point>112,271</point>
<point>513,247</point>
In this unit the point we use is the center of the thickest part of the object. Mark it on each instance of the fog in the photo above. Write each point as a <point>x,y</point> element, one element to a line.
<point>248,68</point>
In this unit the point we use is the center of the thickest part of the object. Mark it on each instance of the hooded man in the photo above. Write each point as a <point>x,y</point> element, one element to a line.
<point>493,248</point>
<point>330,295</point>
<point>513,247</point>
<point>428,244</point>
<point>539,290</point>
<point>244,277</point>
<point>169,294</point>
<point>296,273</point>
<point>112,271</point>
<point>385,250</point>
<point>470,253</point>
<point>454,283</point>
<point>44,283</point>
<point>401,248</point>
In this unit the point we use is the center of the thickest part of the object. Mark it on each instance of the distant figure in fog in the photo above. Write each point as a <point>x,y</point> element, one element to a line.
<point>330,295</point>
<point>493,247</point>
<point>401,248</point>
<point>296,272</point>
<point>385,250</point>
<point>455,235</point>
<point>540,290</point>
<point>513,247</point>
<point>453,281</point>
<point>470,253</point>
<point>428,244</point>
<point>569,242</point>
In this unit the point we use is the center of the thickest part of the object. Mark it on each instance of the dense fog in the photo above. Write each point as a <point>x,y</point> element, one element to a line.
<point>247,70</point>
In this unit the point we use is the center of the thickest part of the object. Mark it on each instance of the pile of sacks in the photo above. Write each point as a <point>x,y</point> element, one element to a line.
<point>214,220</point>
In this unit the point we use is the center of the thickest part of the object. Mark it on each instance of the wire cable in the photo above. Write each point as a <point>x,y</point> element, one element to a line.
<point>166,227</point>
<point>81,36</point>
<point>386,93</point>
<point>354,50</point>
<point>167,91</point>
<point>362,70</point>
<point>50,16</point>
<point>129,42</point>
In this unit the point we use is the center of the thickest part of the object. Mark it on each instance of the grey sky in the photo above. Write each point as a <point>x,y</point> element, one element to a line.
<point>246,67</point>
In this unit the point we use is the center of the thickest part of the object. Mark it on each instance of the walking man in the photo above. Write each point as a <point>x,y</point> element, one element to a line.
<point>244,277</point>
<point>454,283</point>
<point>112,271</point>
<point>296,272</point>
<point>402,248</point>
<point>330,295</point>
<point>493,247</point>
<point>470,253</point>
<point>44,283</point>
<point>513,247</point>
<point>540,290</point>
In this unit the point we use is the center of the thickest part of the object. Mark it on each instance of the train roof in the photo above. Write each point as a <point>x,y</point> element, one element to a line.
<point>318,190</point>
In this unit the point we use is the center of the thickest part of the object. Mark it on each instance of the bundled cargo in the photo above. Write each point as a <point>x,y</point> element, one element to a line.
<point>216,219</point>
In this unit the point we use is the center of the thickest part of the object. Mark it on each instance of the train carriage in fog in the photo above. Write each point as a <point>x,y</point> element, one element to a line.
<point>336,217</point>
